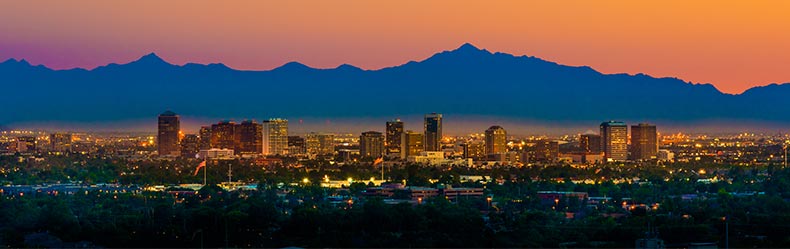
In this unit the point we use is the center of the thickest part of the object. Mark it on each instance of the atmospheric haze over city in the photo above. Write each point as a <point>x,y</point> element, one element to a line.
<point>394,124</point>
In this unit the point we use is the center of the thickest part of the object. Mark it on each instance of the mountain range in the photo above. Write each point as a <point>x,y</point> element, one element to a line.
<point>464,81</point>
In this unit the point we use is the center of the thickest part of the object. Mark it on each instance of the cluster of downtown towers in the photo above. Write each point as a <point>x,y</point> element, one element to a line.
<point>271,138</point>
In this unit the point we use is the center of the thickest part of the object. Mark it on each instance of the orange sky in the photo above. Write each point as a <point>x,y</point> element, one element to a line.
<point>732,44</point>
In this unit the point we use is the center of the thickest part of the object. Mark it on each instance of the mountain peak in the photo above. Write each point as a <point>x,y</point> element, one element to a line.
<point>468,47</point>
<point>12,61</point>
<point>348,67</point>
<point>293,65</point>
<point>151,58</point>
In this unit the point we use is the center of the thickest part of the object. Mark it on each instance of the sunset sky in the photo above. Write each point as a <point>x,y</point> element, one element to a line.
<point>731,44</point>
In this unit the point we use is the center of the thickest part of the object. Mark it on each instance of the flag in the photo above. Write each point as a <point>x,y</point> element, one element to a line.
<point>201,165</point>
<point>378,161</point>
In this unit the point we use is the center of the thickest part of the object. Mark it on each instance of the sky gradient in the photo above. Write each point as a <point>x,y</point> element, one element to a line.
<point>734,45</point>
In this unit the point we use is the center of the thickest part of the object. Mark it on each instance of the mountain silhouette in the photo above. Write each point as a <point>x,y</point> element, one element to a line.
<point>464,81</point>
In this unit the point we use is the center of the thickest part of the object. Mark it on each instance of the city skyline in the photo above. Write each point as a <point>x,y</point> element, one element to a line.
<point>394,124</point>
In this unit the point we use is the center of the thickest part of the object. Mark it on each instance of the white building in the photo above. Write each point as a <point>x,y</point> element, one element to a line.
<point>216,154</point>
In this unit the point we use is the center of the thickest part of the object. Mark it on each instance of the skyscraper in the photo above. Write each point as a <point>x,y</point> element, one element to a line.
<point>394,134</point>
<point>496,140</point>
<point>60,142</point>
<point>190,146</point>
<point>590,143</point>
<point>547,150</point>
<point>320,144</point>
<point>644,142</point>
<point>614,140</point>
<point>433,132</point>
<point>474,150</point>
<point>411,144</point>
<point>275,136</point>
<point>224,135</point>
<point>169,127</point>
<point>250,138</point>
<point>205,137</point>
<point>371,144</point>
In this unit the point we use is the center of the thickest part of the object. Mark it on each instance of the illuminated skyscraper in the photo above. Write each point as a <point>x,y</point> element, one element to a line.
<point>190,146</point>
<point>547,150</point>
<point>60,142</point>
<point>320,144</point>
<point>496,140</point>
<point>476,150</point>
<point>644,142</point>
<point>411,144</point>
<point>167,139</point>
<point>371,144</point>
<point>433,132</point>
<point>394,134</point>
<point>224,135</point>
<point>590,143</point>
<point>275,137</point>
<point>205,137</point>
<point>614,140</point>
<point>250,138</point>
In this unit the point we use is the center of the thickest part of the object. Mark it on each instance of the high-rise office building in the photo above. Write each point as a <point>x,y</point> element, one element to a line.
<point>60,142</point>
<point>614,140</point>
<point>590,143</point>
<point>371,144</point>
<point>411,144</point>
<point>205,137</point>
<point>224,135</point>
<point>296,145</point>
<point>496,140</point>
<point>275,136</point>
<point>320,144</point>
<point>433,132</point>
<point>547,150</point>
<point>190,146</point>
<point>476,150</point>
<point>644,142</point>
<point>250,138</point>
<point>167,139</point>
<point>394,133</point>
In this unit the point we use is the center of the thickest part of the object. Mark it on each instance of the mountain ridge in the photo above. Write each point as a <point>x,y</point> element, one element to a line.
<point>463,81</point>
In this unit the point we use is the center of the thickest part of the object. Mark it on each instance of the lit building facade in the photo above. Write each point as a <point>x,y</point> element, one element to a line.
<point>411,144</point>
<point>433,132</point>
<point>167,137</point>
<point>371,144</point>
<point>190,145</point>
<point>394,133</point>
<point>644,142</point>
<point>275,136</point>
<point>60,142</point>
<point>547,150</point>
<point>475,150</point>
<point>224,135</point>
<point>614,141</point>
<point>296,145</point>
<point>205,137</point>
<point>590,143</point>
<point>250,138</point>
<point>320,144</point>
<point>496,140</point>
